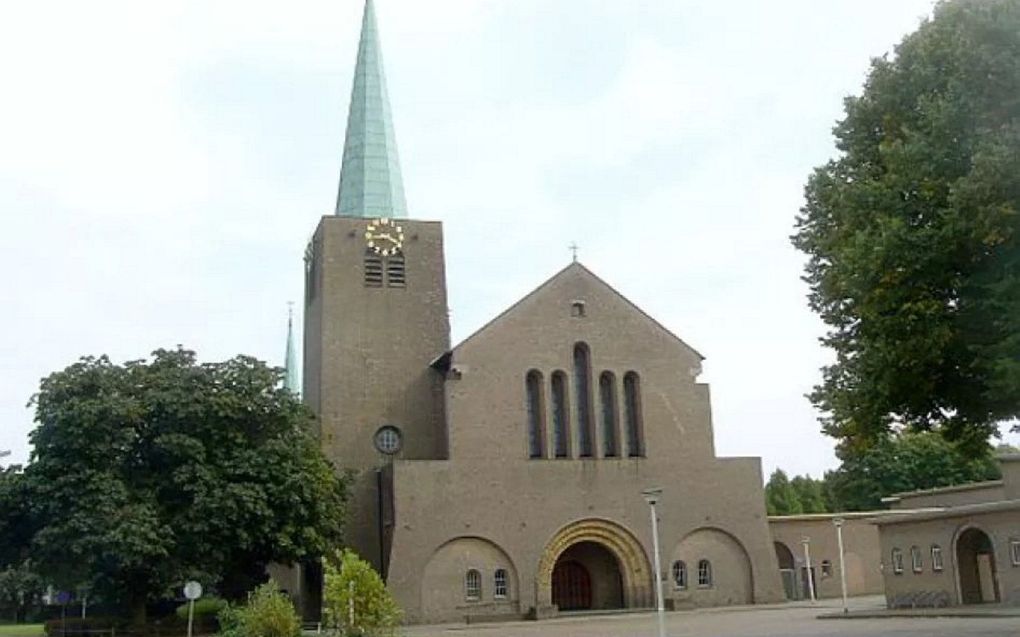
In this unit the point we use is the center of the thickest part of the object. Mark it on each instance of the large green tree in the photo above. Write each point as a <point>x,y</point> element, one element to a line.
<point>913,236</point>
<point>146,474</point>
<point>898,463</point>
<point>780,496</point>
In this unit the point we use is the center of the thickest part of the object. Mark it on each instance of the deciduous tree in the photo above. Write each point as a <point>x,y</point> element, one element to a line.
<point>913,236</point>
<point>146,474</point>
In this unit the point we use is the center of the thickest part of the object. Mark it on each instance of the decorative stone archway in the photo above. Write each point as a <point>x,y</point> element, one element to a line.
<point>635,570</point>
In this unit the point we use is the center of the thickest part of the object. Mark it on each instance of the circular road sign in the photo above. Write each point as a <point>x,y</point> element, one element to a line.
<point>192,590</point>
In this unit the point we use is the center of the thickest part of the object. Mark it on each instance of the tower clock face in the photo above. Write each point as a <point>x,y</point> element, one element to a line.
<point>384,236</point>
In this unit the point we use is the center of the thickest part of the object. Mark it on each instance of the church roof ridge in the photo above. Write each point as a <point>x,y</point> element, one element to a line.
<point>371,183</point>
<point>570,266</point>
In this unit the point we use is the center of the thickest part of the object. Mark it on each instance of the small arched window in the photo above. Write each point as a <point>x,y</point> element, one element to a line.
<point>536,414</point>
<point>500,588</point>
<point>704,574</point>
<point>632,407</point>
<point>680,575</point>
<point>582,393</point>
<point>560,415</point>
<point>473,585</point>
<point>607,398</point>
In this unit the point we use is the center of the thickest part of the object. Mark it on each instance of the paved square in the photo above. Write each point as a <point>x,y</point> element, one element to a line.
<point>793,620</point>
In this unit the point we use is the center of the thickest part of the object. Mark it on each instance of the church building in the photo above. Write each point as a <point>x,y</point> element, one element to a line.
<point>502,476</point>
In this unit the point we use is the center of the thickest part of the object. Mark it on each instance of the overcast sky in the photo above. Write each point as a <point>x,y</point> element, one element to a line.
<point>163,164</point>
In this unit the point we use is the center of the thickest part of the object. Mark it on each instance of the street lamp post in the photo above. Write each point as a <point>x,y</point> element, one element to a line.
<point>842,565</point>
<point>806,541</point>
<point>652,498</point>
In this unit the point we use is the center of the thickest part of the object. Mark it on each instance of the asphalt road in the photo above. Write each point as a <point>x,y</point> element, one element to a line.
<point>772,621</point>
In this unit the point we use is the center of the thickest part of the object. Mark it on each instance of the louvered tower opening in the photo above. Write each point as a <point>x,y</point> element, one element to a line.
<point>395,272</point>
<point>373,270</point>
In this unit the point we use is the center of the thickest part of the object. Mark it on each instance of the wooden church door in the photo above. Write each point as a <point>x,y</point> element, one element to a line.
<point>571,586</point>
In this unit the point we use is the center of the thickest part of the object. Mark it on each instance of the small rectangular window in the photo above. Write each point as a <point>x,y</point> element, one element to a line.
<point>1014,551</point>
<point>897,561</point>
<point>826,568</point>
<point>578,309</point>
<point>936,558</point>
<point>915,559</point>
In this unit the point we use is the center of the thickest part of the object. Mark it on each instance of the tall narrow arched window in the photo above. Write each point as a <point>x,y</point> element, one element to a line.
<point>472,585</point>
<point>560,416</point>
<point>680,575</point>
<point>705,574</point>
<point>582,393</point>
<point>607,421</point>
<point>632,407</point>
<point>536,414</point>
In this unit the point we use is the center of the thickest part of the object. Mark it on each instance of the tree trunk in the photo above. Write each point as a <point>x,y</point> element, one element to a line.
<point>138,612</point>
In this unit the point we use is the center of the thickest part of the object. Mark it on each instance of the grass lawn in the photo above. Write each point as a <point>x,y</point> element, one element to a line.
<point>21,630</point>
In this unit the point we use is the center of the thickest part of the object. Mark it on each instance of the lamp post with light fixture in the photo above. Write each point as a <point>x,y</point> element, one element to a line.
<point>652,498</point>
<point>838,522</point>
<point>806,541</point>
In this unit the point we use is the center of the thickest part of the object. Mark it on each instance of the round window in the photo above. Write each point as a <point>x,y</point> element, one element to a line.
<point>387,440</point>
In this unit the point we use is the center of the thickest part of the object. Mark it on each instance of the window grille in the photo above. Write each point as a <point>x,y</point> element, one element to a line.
<point>679,575</point>
<point>499,588</point>
<point>704,574</point>
<point>897,561</point>
<point>473,585</point>
<point>936,557</point>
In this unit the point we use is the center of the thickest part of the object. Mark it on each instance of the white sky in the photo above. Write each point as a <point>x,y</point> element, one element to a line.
<point>162,165</point>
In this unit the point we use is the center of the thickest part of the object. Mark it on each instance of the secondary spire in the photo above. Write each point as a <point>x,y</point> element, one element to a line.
<point>370,181</point>
<point>290,375</point>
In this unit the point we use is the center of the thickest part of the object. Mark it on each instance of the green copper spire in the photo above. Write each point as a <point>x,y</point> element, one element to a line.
<point>370,181</point>
<point>290,377</point>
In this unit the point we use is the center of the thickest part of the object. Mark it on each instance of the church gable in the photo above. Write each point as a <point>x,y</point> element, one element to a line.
<point>575,370</point>
<point>574,298</point>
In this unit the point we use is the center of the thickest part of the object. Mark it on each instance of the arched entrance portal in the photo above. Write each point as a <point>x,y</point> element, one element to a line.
<point>586,577</point>
<point>975,565</point>
<point>593,564</point>
<point>787,569</point>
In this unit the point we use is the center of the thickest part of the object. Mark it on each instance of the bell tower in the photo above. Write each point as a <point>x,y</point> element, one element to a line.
<point>375,313</point>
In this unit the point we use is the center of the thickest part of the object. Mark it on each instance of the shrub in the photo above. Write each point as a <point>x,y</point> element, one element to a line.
<point>268,613</point>
<point>205,608</point>
<point>355,599</point>
<point>76,626</point>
